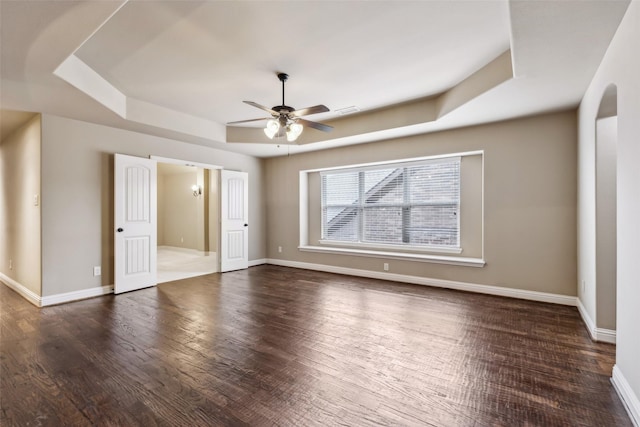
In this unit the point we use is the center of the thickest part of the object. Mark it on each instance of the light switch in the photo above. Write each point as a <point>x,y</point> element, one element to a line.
<point>36,200</point>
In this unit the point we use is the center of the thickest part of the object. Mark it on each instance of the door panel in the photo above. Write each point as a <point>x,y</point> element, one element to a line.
<point>135,223</point>
<point>234,220</point>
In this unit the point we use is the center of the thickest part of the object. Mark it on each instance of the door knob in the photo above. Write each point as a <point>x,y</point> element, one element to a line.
<point>120,230</point>
<point>246,225</point>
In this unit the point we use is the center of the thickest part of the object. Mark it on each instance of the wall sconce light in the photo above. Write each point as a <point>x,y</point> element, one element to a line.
<point>197,190</point>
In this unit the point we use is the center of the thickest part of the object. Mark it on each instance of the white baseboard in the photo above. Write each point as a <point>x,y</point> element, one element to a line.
<point>597,334</point>
<point>606,335</point>
<point>26,293</point>
<point>76,295</point>
<point>39,301</point>
<point>449,284</point>
<point>253,263</point>
<point>628,397</point>
<point>588,321</point>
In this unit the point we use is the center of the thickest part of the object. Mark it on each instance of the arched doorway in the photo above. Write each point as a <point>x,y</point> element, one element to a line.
<point>606,201</point>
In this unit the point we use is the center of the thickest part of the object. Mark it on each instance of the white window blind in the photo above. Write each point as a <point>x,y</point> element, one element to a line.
<point>394,204</point>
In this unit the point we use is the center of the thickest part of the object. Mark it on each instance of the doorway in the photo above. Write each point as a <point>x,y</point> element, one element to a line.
<point>187,221</point>
<point>216,202</point>
<point>606,213</point>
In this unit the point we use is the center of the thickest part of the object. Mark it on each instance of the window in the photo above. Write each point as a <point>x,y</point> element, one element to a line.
<point>409,204</point>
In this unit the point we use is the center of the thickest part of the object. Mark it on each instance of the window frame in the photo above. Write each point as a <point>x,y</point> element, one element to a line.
<point>305,215</point>
<point>405,205</point>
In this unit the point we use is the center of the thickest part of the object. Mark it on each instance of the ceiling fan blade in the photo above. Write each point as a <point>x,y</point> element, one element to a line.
<point>262,107</point>
<point>310,110</point>
<point>315,125</point>
<point>247,121</point>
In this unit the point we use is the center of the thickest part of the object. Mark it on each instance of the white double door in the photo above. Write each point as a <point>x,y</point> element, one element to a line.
<point>136,227</point>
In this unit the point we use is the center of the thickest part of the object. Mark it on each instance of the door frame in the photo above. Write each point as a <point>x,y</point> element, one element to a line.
<point>184,162</point>
<point>160,159</point>
<point>181,162</point>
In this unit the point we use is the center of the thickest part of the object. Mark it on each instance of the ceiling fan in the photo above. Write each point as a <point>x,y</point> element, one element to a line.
<point>286,120</point>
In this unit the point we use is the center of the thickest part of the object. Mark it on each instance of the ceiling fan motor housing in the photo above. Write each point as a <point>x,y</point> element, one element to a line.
<point>282,109</point>
<point>283,77</point>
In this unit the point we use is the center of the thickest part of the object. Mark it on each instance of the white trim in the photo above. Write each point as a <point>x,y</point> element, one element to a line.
<point>481,209</point>
<point>184,162</point>
<point>84,78</point>
<point>588,321</point>
<point>628,397</point>
<point>39,301</point>
<point>597,334</point>
<point>462,286</point>
<point>253,263</point>
<point>391,247</point>
<point>303,193</point>
<point>606,335</point>
<point>76,295</point>
<point>437,259</point>
<point>26,293</point>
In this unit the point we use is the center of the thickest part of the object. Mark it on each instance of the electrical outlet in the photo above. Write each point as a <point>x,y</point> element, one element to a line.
<point>385,266</point>
<point>10,264</point>
<point>583,286</point>
<point>97,271</point>
<point>280,249</point>
<point>36,200</point>
<point>181,239</point>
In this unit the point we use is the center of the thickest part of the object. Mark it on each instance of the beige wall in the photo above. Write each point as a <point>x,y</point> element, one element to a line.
<point>77,189</point>
<point>19,216</point>
<point>179,212</point>
<point>530,202</point>
<point>620,66</point>
<point>185,221</point>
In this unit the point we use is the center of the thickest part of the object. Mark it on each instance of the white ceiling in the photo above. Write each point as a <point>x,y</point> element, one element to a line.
<point>182,69</point>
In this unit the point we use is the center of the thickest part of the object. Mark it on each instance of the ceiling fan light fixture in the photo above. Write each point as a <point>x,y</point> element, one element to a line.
<point>293,131</point>
<point>272,128</point>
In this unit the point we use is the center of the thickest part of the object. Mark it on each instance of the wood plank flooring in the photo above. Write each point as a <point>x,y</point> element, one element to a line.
<point>280,346</point>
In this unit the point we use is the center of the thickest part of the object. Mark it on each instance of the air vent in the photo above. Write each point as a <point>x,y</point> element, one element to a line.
<point>347,110</point>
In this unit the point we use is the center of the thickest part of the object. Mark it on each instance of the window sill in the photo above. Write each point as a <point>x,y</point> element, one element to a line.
<point>396,249</point>
<point>437,259</point>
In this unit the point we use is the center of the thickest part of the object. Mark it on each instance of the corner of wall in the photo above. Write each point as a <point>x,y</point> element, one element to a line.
<point>21,216</point>
<point>628,397</point>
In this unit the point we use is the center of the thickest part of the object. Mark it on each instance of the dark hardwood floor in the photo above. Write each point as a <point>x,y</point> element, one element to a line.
<point>281,346</point>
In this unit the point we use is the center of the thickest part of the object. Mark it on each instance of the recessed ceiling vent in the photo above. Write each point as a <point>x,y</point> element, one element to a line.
<point>347,110</point>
